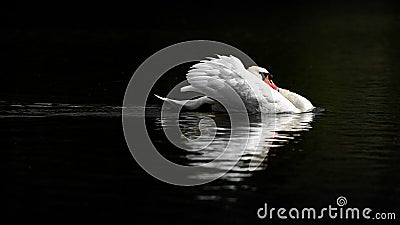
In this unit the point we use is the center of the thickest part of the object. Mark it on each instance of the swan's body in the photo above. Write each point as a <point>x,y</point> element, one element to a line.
<point>217,77</point>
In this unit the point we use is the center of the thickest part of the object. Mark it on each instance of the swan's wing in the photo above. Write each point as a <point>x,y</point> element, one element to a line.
<point>191,104</point>
<point>215,77</point>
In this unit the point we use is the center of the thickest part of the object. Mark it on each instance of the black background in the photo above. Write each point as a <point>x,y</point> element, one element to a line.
<point>86,52</point>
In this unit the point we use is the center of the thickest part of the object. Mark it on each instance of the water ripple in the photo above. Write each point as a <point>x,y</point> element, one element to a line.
<point>274,131</point>
<point>57,110</point>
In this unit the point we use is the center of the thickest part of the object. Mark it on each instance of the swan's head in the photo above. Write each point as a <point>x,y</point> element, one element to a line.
<point>263,74</point>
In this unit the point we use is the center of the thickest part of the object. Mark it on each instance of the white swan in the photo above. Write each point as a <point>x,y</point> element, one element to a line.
<point>215,77</point>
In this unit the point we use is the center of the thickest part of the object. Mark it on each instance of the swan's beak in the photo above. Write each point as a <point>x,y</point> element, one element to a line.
<point>270,83</point>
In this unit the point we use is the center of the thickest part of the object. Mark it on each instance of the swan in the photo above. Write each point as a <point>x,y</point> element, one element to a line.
<point>213,77</point>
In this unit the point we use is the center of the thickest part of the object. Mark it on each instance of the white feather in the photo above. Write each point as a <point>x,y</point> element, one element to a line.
<point>216,77</point>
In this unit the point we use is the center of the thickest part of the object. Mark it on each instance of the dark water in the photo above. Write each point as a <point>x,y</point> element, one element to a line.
<point>64,154</point>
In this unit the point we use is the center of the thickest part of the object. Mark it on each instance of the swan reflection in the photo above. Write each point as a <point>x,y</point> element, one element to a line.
<point>206,137</point>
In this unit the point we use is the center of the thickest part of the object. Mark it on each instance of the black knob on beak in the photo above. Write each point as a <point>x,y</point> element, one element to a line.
<point>263,75</point>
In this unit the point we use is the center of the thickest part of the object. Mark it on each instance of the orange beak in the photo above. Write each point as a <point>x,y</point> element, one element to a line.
<point>270,83</point>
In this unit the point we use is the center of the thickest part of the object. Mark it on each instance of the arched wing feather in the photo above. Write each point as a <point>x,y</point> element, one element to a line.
<point>215,77</point>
